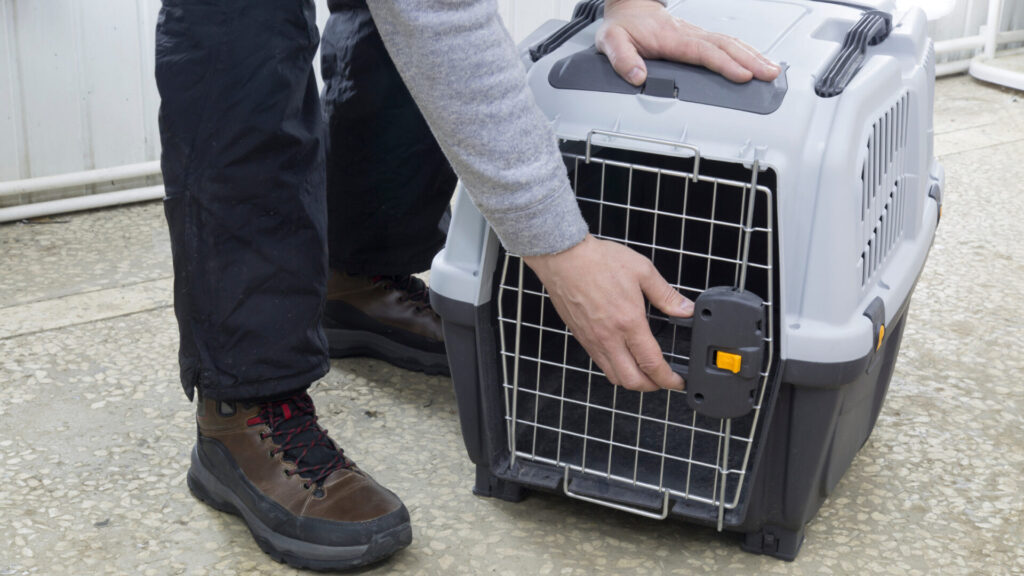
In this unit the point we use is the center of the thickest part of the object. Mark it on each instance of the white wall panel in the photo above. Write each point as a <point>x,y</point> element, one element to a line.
<point>110,64</point>
<point>76,76</point>
<point>968,15</point>
<point>52,96</point>
<point>147,13</point>
<point>76,85</point>
<point>11,140</point>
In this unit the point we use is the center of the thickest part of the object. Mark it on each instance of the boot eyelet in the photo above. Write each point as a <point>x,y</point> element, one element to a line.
<point>271,454</point>
<point>318,493</point>
<point>287,473</point>
<point>305,485</point>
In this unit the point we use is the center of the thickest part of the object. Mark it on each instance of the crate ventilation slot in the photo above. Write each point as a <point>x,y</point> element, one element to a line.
<point>883,184</point>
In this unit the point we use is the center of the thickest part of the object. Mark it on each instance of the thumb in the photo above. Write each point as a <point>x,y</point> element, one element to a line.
<point>616,44</point>
<point>663,296</point>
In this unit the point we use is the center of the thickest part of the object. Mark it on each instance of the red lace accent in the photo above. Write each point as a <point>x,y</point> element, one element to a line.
<point>288,441</point>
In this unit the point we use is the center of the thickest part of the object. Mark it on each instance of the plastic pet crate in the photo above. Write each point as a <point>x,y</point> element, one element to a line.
<point>798,214</point>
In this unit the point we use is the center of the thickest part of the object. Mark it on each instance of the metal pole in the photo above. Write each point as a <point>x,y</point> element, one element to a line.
<point>75,179</point>
<point>79,203</point>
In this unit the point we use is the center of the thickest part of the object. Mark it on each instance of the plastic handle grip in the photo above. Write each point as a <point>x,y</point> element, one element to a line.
<point>684,322</point>
<point>872,28</point>
<point>615,505</point>
<point>585,13</point>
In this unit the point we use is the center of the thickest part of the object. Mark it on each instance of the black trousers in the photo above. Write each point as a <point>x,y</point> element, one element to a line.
<point>255,195</point>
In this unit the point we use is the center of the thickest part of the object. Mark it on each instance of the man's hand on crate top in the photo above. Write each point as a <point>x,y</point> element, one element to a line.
<point>598,289</point>
<point>638,29</point>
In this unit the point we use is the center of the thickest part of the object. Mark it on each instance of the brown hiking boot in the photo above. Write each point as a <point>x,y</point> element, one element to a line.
<point>305,503</point>
<point>384,317</point>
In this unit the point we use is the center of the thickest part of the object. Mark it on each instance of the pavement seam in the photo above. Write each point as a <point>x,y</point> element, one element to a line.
<point>987,146</point>
<point>84,292</point>
<point>84,323</point>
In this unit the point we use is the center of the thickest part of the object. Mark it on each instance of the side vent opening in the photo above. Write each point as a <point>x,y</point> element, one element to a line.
<point>883,183</point>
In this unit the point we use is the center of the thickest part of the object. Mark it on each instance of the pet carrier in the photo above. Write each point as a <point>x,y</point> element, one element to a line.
<point>798,214</point>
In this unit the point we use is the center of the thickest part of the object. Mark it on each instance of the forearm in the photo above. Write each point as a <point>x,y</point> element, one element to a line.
<point>463,71</point>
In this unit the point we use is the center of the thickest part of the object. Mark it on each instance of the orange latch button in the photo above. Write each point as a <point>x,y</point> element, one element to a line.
<point>881,334</point>
<point>728,361</point>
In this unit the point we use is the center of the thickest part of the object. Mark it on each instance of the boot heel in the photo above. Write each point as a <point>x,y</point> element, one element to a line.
<point>199,480</point>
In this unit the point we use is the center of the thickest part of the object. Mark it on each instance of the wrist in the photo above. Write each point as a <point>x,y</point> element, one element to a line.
<point>542,259</point>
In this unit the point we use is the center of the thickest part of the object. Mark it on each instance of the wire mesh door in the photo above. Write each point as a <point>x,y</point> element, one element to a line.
<point>695,220</point>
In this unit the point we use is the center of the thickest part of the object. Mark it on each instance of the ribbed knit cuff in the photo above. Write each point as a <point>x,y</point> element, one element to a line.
<point>548,227</point>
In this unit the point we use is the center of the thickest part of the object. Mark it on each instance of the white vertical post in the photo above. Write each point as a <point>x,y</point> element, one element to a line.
<point>992,27</point>
<point>967,17</point>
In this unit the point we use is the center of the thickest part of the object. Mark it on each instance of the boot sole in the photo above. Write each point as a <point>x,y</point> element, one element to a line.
<point>347,343</point>
<point>297,553</point>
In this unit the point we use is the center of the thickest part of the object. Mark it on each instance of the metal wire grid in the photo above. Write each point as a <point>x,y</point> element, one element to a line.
<point>560,409</point>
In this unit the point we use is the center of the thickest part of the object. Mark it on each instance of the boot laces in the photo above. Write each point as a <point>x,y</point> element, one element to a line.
<point>412,288</point>
<point>292,426</point>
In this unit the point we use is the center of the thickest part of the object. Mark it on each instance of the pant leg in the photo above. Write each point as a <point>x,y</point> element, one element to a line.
<point>388,183</point>
<point>243,162</point>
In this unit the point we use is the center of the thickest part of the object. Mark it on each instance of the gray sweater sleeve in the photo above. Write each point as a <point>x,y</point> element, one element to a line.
<point>461,67</point>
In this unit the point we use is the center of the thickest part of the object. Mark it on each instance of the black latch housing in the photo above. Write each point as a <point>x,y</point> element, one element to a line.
<point>726,352</point>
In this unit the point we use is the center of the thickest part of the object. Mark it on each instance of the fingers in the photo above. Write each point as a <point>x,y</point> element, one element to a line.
<point>663,296</point>
<point>635,27</point>
<point>702,51</point>
<point>615,43</point>
<point>760,66</point>
<point>597,287</point>
<point>723,54</point>
<point>623,370</point>
<point>648,358</point>
<point>637,363</point>
<point>764,59</point>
